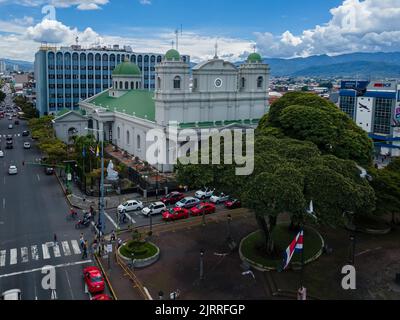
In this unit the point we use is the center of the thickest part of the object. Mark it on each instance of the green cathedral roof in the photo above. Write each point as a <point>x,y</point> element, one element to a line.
<point>172,55</point>
<point>126,69</point>
<point>254,57</point>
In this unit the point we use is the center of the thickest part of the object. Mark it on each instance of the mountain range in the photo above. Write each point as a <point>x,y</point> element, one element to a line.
<point>23,65</point>
<point>365,65</point>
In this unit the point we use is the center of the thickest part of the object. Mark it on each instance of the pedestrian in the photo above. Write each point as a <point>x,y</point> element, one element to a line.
<point>84,255</point>
<point>55,238</point>
<point>82,241</point>
<point>113,236</point>
<point>119,243</point>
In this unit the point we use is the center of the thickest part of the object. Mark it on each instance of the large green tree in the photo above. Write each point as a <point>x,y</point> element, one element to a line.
<point>309,117</point>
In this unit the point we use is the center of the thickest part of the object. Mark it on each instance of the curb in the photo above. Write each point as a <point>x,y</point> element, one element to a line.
<point>262,268</point>
<point>106,277</point>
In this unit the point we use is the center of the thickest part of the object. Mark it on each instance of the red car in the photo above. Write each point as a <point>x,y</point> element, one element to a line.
<point>101,297</point>
<point>172,198</point>
<point>203,208</point>
<point>93,279</point>
<point>175,214</point>
<point>233,204</point>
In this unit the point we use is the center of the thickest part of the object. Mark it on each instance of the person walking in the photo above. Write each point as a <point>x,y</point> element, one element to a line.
<point>85,248</point>
<point>81,241</point>
<point>55,239</point>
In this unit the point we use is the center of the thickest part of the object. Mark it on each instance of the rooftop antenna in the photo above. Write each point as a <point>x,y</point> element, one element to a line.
<point>177,38</point>
<point>77,40</point>
<point>255,48</point>
<point>216,50</point>
<point>172,43</point>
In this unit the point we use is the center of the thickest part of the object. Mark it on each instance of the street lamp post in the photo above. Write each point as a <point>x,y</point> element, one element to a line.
<point>101,214</point>
<point>201,264</point>
<point>229,228</point>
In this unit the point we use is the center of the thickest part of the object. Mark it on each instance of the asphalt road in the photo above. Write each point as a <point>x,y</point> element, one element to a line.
<point>32,210</point>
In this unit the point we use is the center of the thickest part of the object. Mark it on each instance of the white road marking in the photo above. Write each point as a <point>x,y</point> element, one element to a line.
<point>69,284</point>
<point>111,220</point>
<point>46,253</point>
<point>66,249</point>
<point>24,254</point>
<point>130,218</point>
<point>4,203</point>
<point>35,253</point>
<point>13,256</point>
<point>56,249</point>
<point>3,258</point>
<point>40,269</point>
<point>75,247</point>
<point>38,177</point>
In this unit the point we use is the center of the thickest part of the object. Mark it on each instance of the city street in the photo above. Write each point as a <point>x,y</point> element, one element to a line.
<point>32,210</point>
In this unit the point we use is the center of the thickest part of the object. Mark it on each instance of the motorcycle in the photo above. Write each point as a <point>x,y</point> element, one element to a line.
<point>82,223</point>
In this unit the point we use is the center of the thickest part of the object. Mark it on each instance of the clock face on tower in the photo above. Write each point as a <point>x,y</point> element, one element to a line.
<point>218,83</point>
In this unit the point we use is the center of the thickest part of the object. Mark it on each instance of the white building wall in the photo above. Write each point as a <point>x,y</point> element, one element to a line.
<point>364,116</point>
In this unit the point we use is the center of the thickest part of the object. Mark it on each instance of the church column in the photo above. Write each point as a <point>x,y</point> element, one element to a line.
<point>101,131</point>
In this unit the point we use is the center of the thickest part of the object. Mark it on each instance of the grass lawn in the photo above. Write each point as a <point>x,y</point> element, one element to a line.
<point>252,247</point>
<point>142,251</point>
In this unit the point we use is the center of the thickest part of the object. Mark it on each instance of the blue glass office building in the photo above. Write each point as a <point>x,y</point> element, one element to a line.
<point>67,75</point>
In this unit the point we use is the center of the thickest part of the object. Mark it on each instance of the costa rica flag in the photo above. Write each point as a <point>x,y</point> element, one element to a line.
<point>295,246</point>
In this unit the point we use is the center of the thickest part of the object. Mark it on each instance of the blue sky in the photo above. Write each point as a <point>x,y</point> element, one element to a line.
<point>278,28</point>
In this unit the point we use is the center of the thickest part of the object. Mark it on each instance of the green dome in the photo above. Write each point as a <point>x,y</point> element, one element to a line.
<point>172,55</point>
<point>126,69</point>
<point>254,57</point>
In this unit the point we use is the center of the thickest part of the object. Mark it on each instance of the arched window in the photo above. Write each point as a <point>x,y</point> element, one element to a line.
<point>260,82</point>
<point>128,137</point>
<point>159,59</point>
<point>243,83</point>
<point>137,85</point>
<point>126,85</point>
<point>120,85</point>
<point>132,85</point>
<point>138,142</point>
<point>159,83</point>
<point>177,82</point>
<point>119,133</point>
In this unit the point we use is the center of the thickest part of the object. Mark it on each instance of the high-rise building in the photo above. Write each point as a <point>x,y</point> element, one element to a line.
<point>16,68</point>
<point>375,107</point>
<point>3,66</point>
<point>64,76</point>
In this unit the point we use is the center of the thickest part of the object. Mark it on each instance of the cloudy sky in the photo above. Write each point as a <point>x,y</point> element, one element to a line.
<point>289,28</point>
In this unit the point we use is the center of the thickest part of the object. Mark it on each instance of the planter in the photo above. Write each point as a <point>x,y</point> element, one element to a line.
<point>141,263</point>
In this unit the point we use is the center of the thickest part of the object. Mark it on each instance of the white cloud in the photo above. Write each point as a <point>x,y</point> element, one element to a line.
<point>356,25</point>
<point>79,4</point>
<point>145,2</point>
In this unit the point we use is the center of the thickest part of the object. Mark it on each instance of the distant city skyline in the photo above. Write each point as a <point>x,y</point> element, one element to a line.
<point>277,29</point>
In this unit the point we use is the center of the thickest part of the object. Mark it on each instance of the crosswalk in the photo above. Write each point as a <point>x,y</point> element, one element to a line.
<point>45,251</point>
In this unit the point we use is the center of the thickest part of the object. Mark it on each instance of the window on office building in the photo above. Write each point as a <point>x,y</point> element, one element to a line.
<point>383,115</point>
<point>347,105</point>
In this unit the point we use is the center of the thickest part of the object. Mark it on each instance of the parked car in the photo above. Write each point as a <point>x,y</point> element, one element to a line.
<point>27,145</point>
<point>219,198</point>
<point>9,144</point>
<point>1,154</point>
<point>172,198</point>
<point>175,214</point>
<point>204,193</point>
<point>25,133</point>
<point>131,205</point>
<point>49,171</point>
<point>233,203</point>
<point>10,126</point>
<point>154,208</point>
<point>203,208</point>
<point>93,279</point>
<point>101,297</point>
<point>188,203</point>
<point>14,294</point>
<point>12,170</point>
<point>16,122</point>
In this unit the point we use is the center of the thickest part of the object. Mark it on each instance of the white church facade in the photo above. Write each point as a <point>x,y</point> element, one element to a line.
<point>214,94</point>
